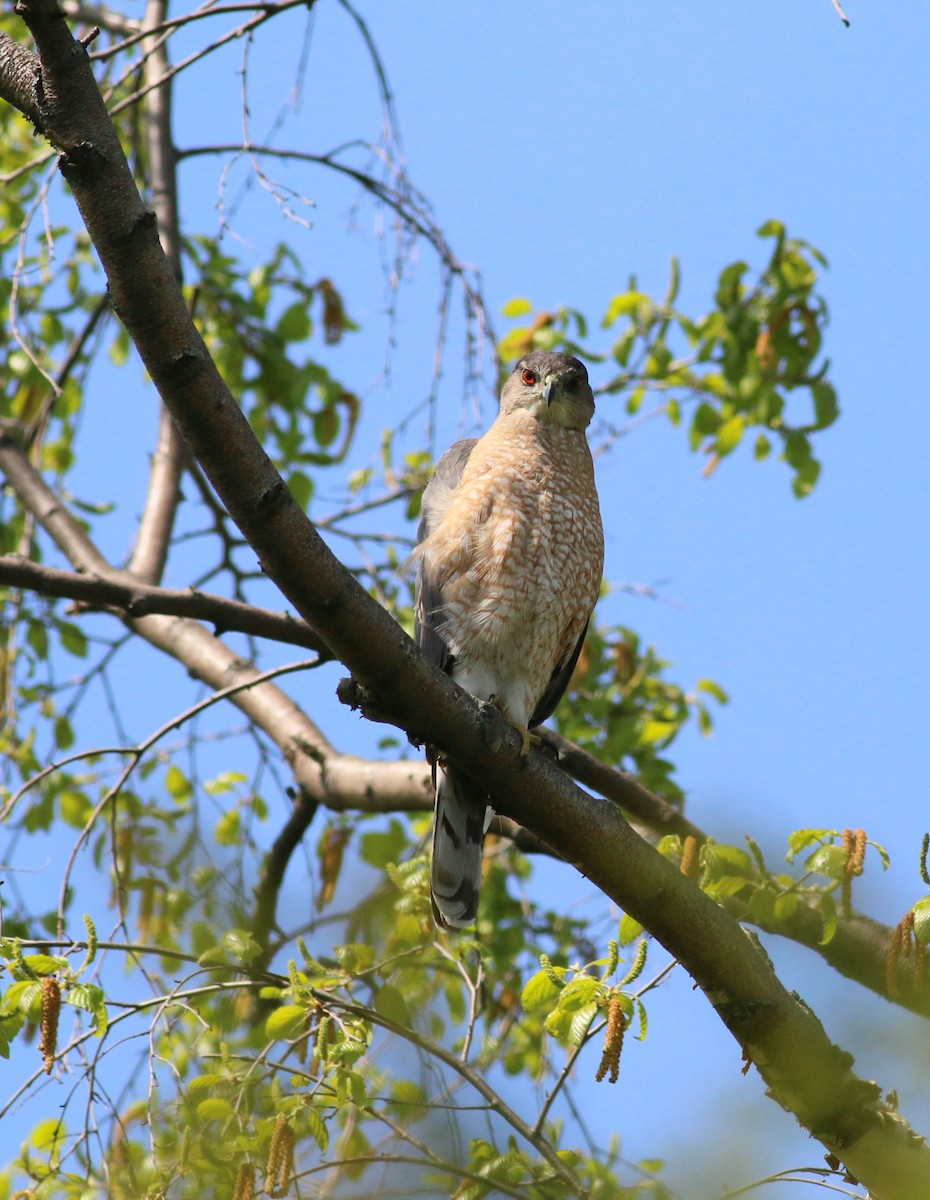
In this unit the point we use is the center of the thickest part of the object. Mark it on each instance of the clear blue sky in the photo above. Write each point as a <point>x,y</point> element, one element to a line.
<point>563,147</point>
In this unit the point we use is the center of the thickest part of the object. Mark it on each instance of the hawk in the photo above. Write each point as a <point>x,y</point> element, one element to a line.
<point>509,560</point>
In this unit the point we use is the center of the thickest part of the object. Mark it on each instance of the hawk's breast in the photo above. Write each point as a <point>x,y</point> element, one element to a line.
<point>518,558</point>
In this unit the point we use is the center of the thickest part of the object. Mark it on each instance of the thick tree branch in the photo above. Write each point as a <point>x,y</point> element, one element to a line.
<point>777,1032</point>
<point>859,948</point>
<point>19,76</point>
<point>340,781</point>
<point>131,598</point>
<point>623,789</point>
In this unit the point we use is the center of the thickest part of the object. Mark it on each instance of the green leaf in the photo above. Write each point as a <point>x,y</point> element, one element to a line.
<point>215,1108</point>
<point>829,915</point>
<point>228,828</point>
<point>301,488</point>
<point>800,839</point>
<point>730,434</point>
<point>706,419</point>
<point>797,450</point>
<point>828,860</point>
<point>408,1094</point>
<point>235,944</point>
<point>64,733</point>
<point>201,1082</point>
<point>582,990</point>
<point>518,307</point>
<point>47,1133</point>
<point>224,782</point>
<point>24,997</point>
<point>390,1003</point>
<point>643,1029</point>
<point>178,785</point>
<point>407,931</point>
<point>727,885</point>
<point>541,990</point>
<point>294,324</point>
<point>630,930</point>
<point>37,638</point>
<point>75,808</point>
<point>762,907</point>
<point>771,228</point>
<point>558,1023</point>
<point>90,998</point>
<point>713,689</point>
<point>626,304</point>
<point>45,964</point>
<point>805,479</point>
<point>316,1128</point>
<point>378,848</point>
<point>581,1023</point>
<point>922,921</point>
<point>285,1022</point>
<point>785,906</point>
<point>826,408</point>
<point>73,638</point>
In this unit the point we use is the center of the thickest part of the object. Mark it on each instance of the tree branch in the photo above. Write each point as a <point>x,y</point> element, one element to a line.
<point>19,77</point>
<point>132,598</point>
<point>340,781</point>
<point>804,1071</point>
<point>154,537</point>
<point>859,948</point>
<point>636,800</point>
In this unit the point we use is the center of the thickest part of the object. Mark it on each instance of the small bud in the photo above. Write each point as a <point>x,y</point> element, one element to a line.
<point>689,857</point>
<point>51,1007</point>
<point>854,846</point>
<point>245,1183</point>
<point>334,315</point>
<point>330,850</point>
<point>280,1164</point>
<point>902,941</point>
<point>766,353</point>
<point>613,1042</point>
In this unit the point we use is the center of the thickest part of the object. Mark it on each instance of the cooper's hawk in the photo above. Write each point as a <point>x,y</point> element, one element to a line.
<point>509,565</point>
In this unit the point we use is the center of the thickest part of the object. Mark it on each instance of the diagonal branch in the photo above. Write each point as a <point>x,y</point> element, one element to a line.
<point>859,948</point>
<point>337,780</point>
<point>19,76</point>
<point>131,598</point>
<point>804,1071</point>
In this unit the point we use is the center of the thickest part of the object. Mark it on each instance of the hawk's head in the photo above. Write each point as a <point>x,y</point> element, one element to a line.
<point>553,387</point>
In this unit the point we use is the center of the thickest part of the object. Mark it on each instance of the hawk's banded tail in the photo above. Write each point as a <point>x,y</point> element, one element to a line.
<point>459,823</point>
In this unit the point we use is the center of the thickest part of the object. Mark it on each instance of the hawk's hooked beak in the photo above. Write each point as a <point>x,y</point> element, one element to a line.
<point>550,387</point>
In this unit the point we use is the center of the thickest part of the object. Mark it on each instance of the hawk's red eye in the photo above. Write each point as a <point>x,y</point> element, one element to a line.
<point>529,377</point>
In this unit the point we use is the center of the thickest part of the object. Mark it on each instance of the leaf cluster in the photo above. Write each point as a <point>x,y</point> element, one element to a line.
<point>752,362</point>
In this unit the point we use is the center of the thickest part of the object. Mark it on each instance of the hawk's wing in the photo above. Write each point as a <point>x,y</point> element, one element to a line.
<point>557,684</point>
<point>429,618</point>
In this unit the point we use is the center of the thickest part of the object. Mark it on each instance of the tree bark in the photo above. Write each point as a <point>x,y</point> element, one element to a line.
<point>803,1070</point>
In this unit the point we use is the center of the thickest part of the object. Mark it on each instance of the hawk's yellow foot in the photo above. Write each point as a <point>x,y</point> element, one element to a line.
<point>528,739</point>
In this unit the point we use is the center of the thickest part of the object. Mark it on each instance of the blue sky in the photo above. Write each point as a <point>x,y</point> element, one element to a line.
<point>564,147</point>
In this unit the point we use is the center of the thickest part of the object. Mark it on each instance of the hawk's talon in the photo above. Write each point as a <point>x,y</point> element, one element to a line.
<point>527,739</point>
